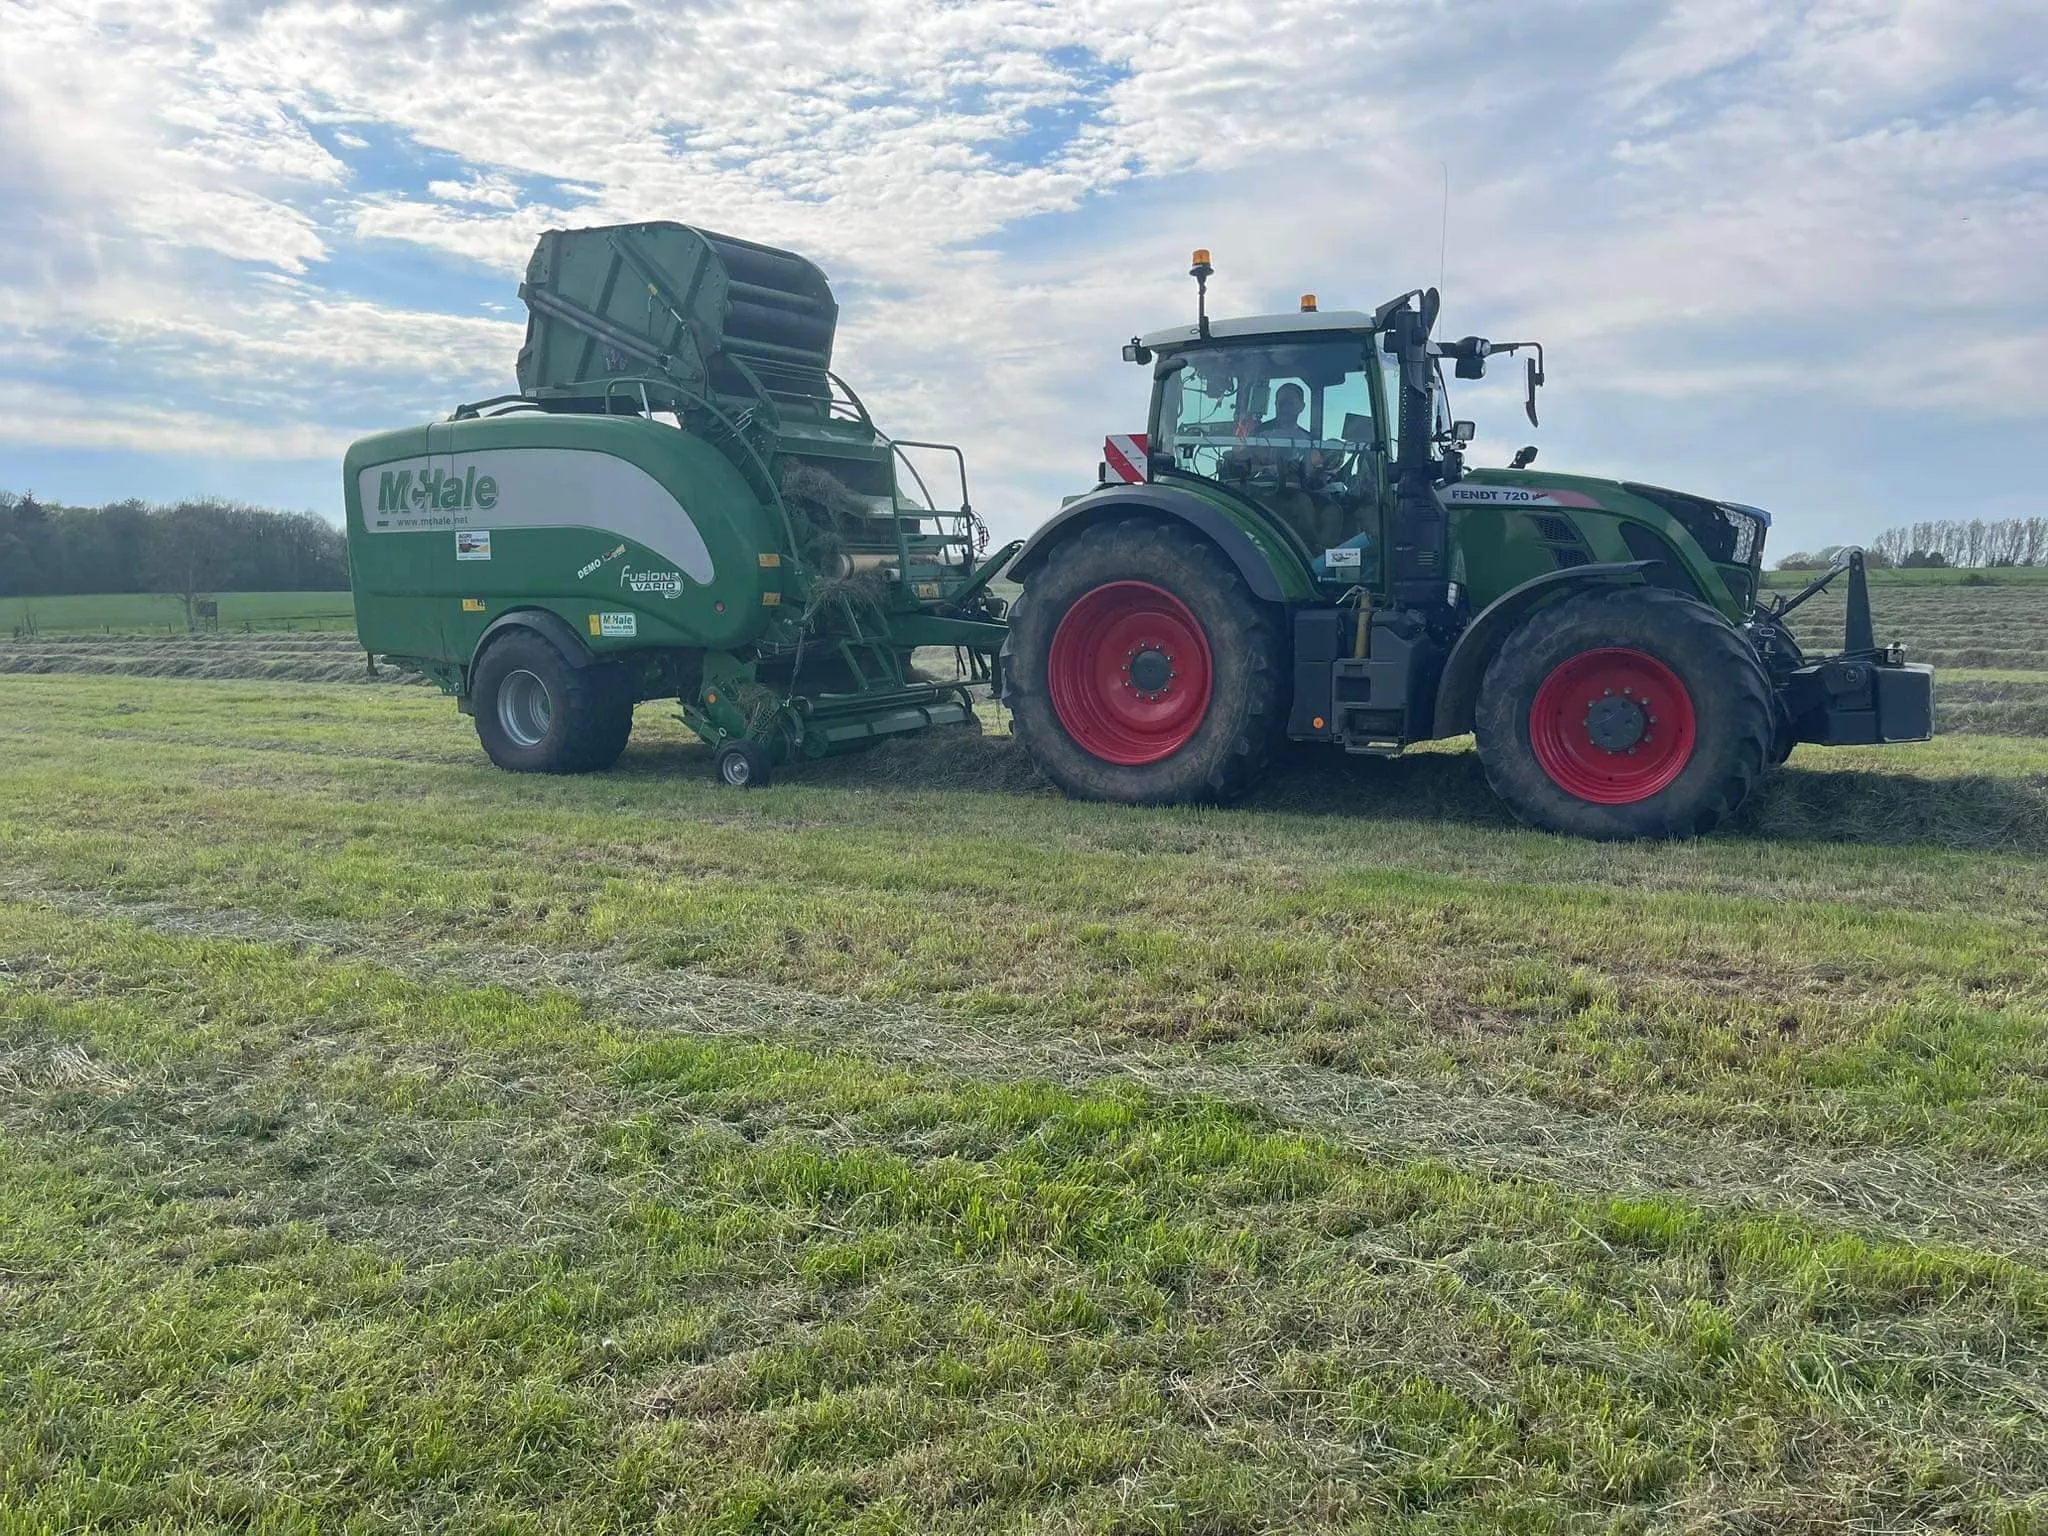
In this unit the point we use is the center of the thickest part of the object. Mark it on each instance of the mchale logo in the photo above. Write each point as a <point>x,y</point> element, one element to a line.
<point>397,491</point>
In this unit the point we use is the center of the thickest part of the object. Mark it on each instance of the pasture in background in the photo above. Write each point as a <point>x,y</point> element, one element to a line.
<point>136,613</point>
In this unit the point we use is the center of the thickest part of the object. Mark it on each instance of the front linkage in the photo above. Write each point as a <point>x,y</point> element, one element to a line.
<point>1865,695</point>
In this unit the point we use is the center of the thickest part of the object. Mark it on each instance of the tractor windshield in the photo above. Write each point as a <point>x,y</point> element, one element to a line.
<point>1291,423</point>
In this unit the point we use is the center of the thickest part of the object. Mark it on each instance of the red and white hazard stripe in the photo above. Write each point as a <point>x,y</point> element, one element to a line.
<point>1124,453</point>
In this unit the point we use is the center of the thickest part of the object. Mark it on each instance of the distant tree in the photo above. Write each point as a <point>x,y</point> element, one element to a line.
<point>1924,560</point>
<point>1894,544</point>
<point>189,555</point>
<point>129,546</point>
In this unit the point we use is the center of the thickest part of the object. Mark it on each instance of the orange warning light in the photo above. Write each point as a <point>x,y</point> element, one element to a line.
<point>1308,303</point>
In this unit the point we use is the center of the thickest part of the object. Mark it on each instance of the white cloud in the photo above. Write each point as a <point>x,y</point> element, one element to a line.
<point>1792,215</point>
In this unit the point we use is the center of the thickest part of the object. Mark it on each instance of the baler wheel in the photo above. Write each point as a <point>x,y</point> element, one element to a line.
<point>1139,667</point>
<point>1625,713</point>
<point>537,714</point>
<point>743,765</point>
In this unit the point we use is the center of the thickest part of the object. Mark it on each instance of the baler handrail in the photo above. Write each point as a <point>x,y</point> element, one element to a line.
<point>852,398</point>
<point>497,405</point>
<point>959,458</point>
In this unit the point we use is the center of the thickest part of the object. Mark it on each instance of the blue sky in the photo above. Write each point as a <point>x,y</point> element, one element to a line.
<point>1786,253</point>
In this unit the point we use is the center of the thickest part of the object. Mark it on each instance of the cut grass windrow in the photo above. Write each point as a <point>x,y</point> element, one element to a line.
<point>294,1243</point>
<point>1895,1191</point>
<point>1853,995</point>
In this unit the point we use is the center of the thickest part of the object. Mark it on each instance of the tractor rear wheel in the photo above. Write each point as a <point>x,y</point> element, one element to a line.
<point>1140,668</point>
<point>537,714</point>
<point>1632,712</point>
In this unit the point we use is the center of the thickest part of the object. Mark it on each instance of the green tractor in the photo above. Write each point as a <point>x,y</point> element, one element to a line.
<point>1296,551</point>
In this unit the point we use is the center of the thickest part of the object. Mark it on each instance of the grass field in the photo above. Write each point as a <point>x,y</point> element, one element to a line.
<point>390,1143</point>
<point>1953,576</point>
<point>143,612</point>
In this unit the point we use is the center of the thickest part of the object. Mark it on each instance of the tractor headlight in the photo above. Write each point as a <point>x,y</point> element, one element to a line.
<point>1747,530</point>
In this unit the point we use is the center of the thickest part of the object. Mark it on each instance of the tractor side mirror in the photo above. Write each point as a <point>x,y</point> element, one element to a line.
<point>1462,432</point>
<point>1535,377</point>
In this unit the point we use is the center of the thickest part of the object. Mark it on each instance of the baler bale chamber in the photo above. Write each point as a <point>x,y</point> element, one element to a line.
<point>684,501</point>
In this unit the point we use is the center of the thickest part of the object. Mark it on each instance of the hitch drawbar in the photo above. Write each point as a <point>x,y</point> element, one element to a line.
<point>1866,696</point>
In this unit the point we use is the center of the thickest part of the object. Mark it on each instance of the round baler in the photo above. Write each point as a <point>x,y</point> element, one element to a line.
<point>682,501</point>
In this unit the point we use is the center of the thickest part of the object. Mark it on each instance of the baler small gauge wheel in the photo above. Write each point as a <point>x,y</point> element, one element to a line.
<point>743,765</point>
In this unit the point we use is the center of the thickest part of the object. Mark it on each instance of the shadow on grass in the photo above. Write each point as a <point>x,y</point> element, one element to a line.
<point>1973,813</point>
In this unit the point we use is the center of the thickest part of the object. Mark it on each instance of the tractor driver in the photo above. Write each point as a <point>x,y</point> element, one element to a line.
<point>1316,517</point>
<point>1288,405</point>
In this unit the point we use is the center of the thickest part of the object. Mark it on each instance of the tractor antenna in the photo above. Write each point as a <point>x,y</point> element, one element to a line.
<point>1200,272</point>
<point>1443,239</point>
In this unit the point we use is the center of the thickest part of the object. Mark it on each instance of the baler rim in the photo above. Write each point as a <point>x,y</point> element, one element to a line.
<point>526,710</point>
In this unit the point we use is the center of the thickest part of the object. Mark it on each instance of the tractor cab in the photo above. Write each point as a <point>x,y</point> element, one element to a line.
<point>1287,411</point>
<point>1334,425</point>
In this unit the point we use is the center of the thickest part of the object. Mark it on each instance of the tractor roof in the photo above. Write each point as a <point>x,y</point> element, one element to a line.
<point>1260,325</point>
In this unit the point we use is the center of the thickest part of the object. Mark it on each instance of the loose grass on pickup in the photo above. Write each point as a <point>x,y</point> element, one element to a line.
<point>391,1141</point>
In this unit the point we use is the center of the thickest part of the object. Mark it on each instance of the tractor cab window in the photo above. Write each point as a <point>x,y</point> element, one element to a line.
<point>1291,424</point>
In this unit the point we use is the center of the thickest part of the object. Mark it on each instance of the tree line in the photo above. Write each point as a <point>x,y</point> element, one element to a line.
<point>187,549</point>
<point>1939,542</point>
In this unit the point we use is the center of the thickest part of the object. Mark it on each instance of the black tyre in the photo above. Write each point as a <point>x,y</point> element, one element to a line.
<point>1632,712</point>
<point>1140,668</point>
<point>742,765</point>
<point>537,714</point>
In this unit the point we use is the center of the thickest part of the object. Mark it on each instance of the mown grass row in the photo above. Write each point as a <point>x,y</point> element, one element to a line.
<point>1953,626</point>
<point>293,1244</point>
<point>1845,995</point>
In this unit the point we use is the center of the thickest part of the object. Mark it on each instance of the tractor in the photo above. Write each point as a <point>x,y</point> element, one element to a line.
<point>1295,550</point>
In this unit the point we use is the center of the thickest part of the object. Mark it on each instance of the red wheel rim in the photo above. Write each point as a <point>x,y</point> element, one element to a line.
<point>1129,673</point>
<point>1612,726</point>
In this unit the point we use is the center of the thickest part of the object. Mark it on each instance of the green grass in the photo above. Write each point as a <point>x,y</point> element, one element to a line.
<point>390,1142</point>
<point>307,1244</point>
<point>2016,576</point>
<point>137,613</point>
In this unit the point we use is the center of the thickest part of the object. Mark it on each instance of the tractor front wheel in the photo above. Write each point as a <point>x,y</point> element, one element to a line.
<point>1627,713</point>
<point>1139,667</point>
